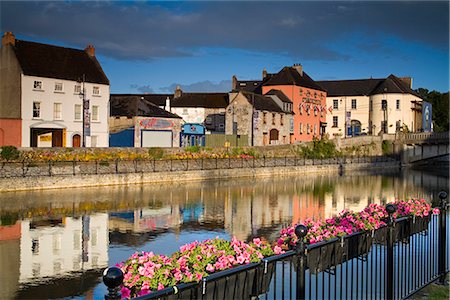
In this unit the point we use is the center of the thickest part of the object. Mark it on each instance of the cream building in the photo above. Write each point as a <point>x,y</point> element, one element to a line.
<point>41,96</point>
<point>372,106</point>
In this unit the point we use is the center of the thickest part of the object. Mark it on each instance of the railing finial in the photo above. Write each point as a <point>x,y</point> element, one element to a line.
<point>113,278</point>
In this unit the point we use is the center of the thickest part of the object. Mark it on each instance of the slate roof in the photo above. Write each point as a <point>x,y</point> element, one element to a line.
<point>205,100</point>
<point>280,95</point>
<point>366,87</point>
<point>261,102</point>
<point>290,76</point>
<point>157,99</point>
<point>254,86</point>
<point>136,105</point>
<point>50,61</point>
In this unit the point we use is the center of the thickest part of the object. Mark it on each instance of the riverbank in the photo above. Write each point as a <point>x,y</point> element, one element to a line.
<point>89,180</point>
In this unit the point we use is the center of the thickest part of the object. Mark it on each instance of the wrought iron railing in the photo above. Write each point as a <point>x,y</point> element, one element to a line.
<point>72,168</point>
<point>392,262</point>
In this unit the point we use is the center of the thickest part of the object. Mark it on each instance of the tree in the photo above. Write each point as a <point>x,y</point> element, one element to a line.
<point>440,102</point>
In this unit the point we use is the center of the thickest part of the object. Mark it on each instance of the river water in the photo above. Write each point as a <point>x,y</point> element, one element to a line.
<point>55,243</point>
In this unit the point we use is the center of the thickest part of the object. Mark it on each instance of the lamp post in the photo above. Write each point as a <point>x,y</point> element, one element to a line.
<point>85,112</point>
<point>253,118</point>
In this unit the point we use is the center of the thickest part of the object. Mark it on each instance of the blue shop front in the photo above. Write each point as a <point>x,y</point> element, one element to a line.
<point>192,135</point>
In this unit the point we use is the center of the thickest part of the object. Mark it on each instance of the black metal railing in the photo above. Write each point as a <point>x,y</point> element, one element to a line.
<point>392,262</point>
<point>71,168</point>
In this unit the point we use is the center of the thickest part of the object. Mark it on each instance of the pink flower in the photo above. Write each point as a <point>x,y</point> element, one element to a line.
<point>210,268</point>
<point>160,286</point>
<point>199,276</point>
<point>277,250</point>
<point>125,292</point>
<point>436,211</point>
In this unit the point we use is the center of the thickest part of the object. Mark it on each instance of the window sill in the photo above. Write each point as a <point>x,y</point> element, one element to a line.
<point>59,120</point>
<point>59,92</point>
<point>38,90</point>
<point>96,95</point>
<point>78,121</point>
<point>37,119</point>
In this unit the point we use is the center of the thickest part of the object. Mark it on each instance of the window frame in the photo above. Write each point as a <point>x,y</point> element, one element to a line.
<point>57,114</point>
<point>354,104</point>
<point>59,84</point>
<point>36,109</point>
<point>335,122</point>
<point>96,91</point>
<point>397,104</point>
<point>37,85</point>
<point>80,112</point>
<point>335,104</point>
<point>97,115</point>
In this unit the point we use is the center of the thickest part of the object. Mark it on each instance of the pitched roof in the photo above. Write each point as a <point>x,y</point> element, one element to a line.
<point>290,76</point>
<point>254,86</point>
<point>205,100</point>
<point>135,105</point>
<point>44,60</point>
<point>280,95</point>
<point>366,87</point>
<point>157,99</point>
<point>261,102</point>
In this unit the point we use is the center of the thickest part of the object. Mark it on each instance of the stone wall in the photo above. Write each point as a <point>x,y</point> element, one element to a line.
<point>66,181</point>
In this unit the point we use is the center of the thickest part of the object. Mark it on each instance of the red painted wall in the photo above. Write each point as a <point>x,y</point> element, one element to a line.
<point>11,132</point>
<point>293,93</point>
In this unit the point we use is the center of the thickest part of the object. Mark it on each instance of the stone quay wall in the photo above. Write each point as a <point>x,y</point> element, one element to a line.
<point>8,184</point>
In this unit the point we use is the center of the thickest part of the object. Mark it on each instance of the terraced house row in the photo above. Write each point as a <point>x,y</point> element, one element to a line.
<point>53,96</point>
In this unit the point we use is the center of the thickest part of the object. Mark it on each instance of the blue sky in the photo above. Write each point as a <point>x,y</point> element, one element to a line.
<point>147,47</point>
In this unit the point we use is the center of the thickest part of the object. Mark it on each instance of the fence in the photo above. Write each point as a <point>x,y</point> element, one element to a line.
<point>221,140</point>
<point>61,168</point>
<point>392,262</point>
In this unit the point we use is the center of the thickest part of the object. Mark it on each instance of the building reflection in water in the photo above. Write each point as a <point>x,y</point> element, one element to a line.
<point>47,235</point>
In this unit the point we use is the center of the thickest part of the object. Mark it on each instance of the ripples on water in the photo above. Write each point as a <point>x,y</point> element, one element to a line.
<point>56,243</point>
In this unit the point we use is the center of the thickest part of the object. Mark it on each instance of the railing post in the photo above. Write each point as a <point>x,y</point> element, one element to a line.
<point>389,258</point>
<point>49,168</point>
<point>113,278</point>
<point>442,238</point>
<point>300,249</point>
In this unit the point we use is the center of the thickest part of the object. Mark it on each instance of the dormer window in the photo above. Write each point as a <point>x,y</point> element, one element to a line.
<point>37,85</point>
<point>58,87</point>
<point>96,91</point>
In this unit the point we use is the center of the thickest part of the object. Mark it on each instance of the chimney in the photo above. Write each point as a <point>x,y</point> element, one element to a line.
<point>234,83</point>
<point>299,69</point>
<point>90,50</point>
<point>167,107</point>
<point>178,92</point>
<point>264,73</point>
<point>8,39</point>
<point>407,81</point>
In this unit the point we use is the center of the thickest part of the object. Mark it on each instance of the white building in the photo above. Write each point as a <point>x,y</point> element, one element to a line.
<point>372,106</point>
<point>41,96</point>
<point>52,248</point>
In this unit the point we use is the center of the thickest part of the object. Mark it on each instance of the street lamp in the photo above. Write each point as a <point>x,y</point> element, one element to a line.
<point>253,118</point>
<point>85,112</point>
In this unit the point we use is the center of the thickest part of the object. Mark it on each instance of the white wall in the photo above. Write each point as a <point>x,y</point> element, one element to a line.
<point>60,247</point>
<point>192,114</point>
<point>47,96</point>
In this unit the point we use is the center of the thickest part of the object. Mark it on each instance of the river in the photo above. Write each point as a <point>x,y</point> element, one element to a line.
<point>55,243</point>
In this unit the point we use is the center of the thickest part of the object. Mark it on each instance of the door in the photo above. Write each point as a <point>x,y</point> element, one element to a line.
<point>76,141</point>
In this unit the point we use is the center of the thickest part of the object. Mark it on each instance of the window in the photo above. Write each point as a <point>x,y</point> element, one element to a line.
<point>301,92</point>
<point>36,109</point>
<point>77,115</point>
<point>397,104</point>
<point>96,90</point>
<point>94,141</point>
<point>37,85</point>
<point>370,105</point>
<point>300,128</point>
<point>315,110</point>
<point>384,126</point>
<point>57,111</point>
<point>335,104</point>
<point>300,108</point>
<point>307,128</point>
<point>264,118</point>
<point>77,89</point>
<point>315,129</point>
<point>383,104</point>
<point>185,111</point>
<point>273,119</point>
<point>58,87</point>
<point>353,103</point>
<point>94,113</point>
<point>398,125</point>
<point>335,121</point>
<point>281,120</point>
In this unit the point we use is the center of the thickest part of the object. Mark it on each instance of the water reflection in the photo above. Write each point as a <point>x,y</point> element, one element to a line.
<point>66,237</point>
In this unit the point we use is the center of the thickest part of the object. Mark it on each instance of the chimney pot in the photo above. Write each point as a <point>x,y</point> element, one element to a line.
<point>178,92</point>
<point>264,73</point>
<point>8,39</point>
<point>299,69</point>
<point>90,50</point>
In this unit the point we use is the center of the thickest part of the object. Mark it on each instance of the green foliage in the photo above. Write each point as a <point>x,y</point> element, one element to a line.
<point>9,153</point>
<point>440,102</point>
<point>318,149</point>
<point>192,149</point>
<point>9,220</point>
<point>156,153</point>
<point>386,147</point>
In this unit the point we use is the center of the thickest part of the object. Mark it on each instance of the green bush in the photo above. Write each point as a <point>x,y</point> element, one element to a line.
<point>192,149</point>
<point>9,153</point>
<point>156,153</point>
<point>386,147</point>
<point>318,149</point>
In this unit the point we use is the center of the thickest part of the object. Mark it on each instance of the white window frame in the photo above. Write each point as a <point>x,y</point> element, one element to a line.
<point>354,104</point>
<point>95,91</point>
<point>57,113</point>
<point>37,109</point>
<point>77,111</point>
<point>95,113</point>
<point>77,89</point>
<point>335,121</point>
<point>37,85</point>
<point>59,88</point>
